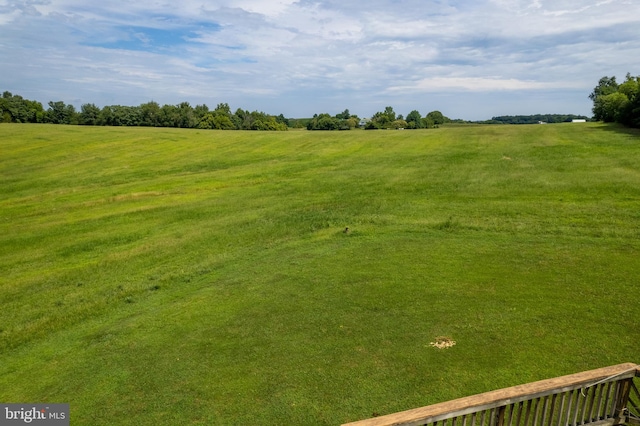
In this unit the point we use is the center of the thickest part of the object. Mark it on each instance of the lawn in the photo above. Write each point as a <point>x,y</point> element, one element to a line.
<point>171,276</point>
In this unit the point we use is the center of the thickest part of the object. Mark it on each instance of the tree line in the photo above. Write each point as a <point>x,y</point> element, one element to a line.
<point>535,119</point>
<point>386,119</point>
<point>619,103</point>
<point>15,109</point>
<point>612,102</point>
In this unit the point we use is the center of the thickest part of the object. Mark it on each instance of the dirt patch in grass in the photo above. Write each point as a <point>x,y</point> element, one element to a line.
<point>442,342</point>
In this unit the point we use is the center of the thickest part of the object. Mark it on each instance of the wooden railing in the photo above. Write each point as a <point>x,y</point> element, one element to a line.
<point>606,396</point>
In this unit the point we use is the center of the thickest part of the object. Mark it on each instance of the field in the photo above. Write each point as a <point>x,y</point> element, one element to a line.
<point>167,276</point>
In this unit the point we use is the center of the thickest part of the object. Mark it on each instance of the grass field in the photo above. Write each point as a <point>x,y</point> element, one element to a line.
<point>166,276</point>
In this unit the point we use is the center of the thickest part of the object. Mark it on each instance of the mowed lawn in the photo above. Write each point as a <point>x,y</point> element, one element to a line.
<point>167,276</point>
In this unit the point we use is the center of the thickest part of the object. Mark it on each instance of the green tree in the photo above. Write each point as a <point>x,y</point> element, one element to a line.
<point>150,114</point>
<point>609,108</point>
<point>399,124</point>
<point>388,111</point>
<point>16,109</point>
<point>199,111</point>
<point>60,113</point>
<point>437,118</point>
<point>282,119</point>
<point>629,114</point>
<point>89,114</point>
<point>344,115</point>
<point>606,86</point>
<point>617,102</point>
<point>222,117</point>
<point>323,121</point>
<point>414,120</point>
<point>351,122</point>
<point>169,116</point>
<point>186,117</point>
<point>382,119</point>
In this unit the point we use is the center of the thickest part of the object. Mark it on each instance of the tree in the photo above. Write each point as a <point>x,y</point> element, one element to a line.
<point>414,120</point>
<point>630,112</point>
<point>609,108</point>
<point>282,119</point>
<point>323,121</point>
<point>437,117</point>
<point>186,117</point>
<point>606,86</point>
<point>382,119</point>
<point>59,113</point>
<point>89,114</point>
<point>216,121</point>
<point>169,116</point>
<point>341,121</point>
<point>351,122</point>
<point>399,124</point>
<point>613,102</point>
<point>220,119</point>
<point>199,111</point>
<point>344,115</point>
<point>388,111</point>
<point>150,114</point>
<point>15,109</point>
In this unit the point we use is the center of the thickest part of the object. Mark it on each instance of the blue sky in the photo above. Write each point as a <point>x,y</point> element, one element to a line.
<point>469,59</point>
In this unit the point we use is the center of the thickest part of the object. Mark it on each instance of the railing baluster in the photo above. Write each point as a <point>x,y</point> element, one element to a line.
<point>571,398</point>
<point>620,401</point>
<point>598,413</point>
<point>545,409</point>
<point>592,403</point>
<point>509,408</point>
<point>634,403</point>
<point>528,412</point>
<point>552,409</point>
<point>561,411</point>
<point>537,413</point>
<point>594,415</point>
<point>584,406</point>
<point>614,396</point>
<point>578,404</point>
<point>520,408</point>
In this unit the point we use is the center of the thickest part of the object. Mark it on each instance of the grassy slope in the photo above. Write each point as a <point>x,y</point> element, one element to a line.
<point>155,276</point>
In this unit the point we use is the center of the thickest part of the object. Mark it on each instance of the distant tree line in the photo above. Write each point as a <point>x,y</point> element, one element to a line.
<point>534,119</point>
<point>342,121</point>
<point>15,109</point>
<point>386,119</point>
<point>620,103</point>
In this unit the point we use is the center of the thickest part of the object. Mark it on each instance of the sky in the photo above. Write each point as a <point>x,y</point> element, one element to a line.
<point>469,59</point>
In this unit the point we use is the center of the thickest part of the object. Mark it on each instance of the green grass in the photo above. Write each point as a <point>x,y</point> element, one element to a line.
<point>165,276</point>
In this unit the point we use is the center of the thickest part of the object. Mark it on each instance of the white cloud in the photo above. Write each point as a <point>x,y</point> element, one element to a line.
<point>271,8</point>
<point>253,52</point>
<point>477,84</point>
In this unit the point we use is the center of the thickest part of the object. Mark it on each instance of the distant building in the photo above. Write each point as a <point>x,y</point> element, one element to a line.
<point>578,120</point>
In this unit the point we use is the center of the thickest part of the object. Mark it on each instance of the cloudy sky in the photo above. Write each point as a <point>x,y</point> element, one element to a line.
<point>470,59</point>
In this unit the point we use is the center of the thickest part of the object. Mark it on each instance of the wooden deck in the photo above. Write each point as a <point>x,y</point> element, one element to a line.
<point>606,396</point>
